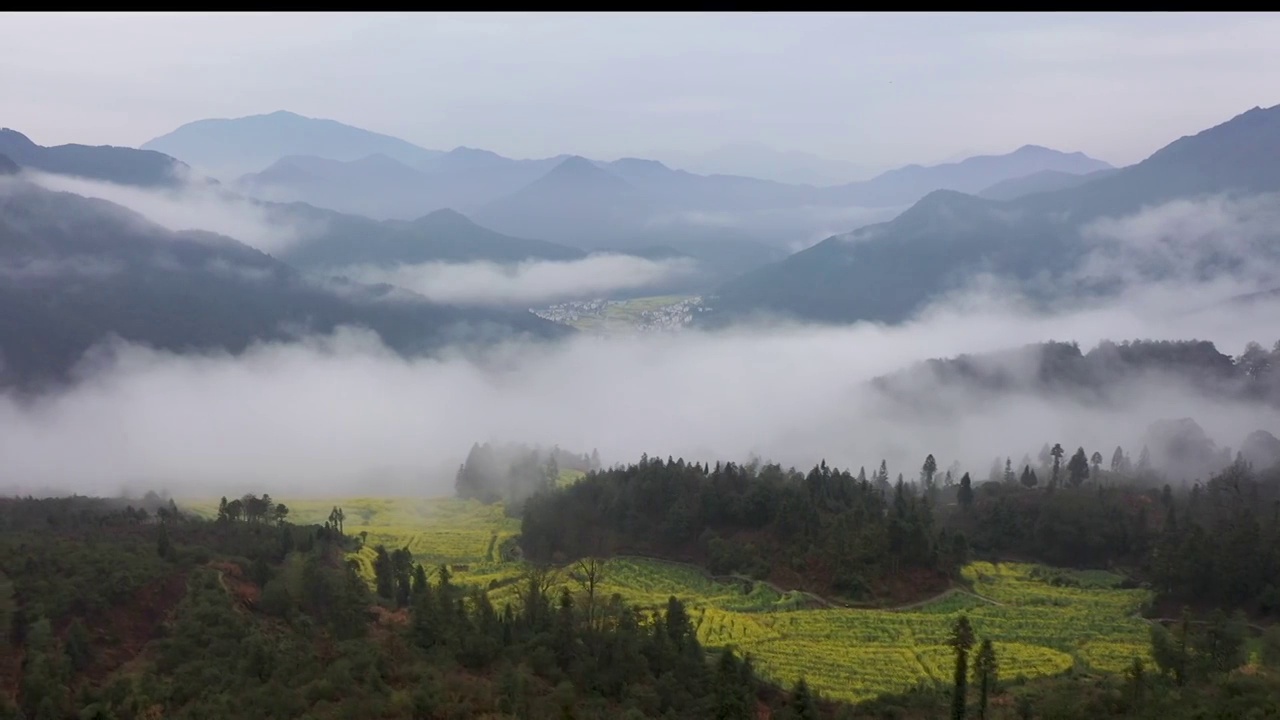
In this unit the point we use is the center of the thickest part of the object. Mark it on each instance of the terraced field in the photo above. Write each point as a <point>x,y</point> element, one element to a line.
<point>1038,628</point>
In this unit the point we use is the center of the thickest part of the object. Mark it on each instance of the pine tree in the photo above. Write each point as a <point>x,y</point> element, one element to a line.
<point>965,494</point>
<point>1078,468</point>
<point>383,573</point>
<point>961,640</point>
<point>927,472</point>
<point>985,670</point>
<point>1056,453</point>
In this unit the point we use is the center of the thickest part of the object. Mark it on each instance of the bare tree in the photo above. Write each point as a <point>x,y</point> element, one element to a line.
<point>589,573</point>
<point>533,589</point>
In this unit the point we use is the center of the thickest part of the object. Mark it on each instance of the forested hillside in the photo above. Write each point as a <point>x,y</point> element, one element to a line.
<point>143,611</point>
<point>1211,544</point>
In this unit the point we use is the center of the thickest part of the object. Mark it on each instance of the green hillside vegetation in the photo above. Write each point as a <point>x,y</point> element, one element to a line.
<point>135,609</point>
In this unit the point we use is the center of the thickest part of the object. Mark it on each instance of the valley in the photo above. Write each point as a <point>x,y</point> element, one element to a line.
<point>629,366</point>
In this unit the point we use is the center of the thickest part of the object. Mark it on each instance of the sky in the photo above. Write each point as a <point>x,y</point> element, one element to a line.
<point>877,90</point>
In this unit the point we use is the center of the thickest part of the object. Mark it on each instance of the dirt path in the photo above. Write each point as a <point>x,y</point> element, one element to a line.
<point>827,603</point>
<point>238,587</point>
<point>1173,621</point>
<point>954,590</point>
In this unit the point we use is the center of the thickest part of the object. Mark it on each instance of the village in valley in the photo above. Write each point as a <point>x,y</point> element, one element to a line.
<point>650,314</point>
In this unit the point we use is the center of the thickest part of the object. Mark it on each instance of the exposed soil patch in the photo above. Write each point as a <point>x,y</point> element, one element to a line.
<point>911,585</point>
<point>239,587</point>
<point>389,618</point>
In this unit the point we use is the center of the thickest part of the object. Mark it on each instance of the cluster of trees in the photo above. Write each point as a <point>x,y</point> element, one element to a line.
<point>1063,367</point>
<point>511,472</point>
<point>829,529</point>
<point>252,509</point>
<point>611,657</point>
<point>1081,466</point>
<point>1215,543</point>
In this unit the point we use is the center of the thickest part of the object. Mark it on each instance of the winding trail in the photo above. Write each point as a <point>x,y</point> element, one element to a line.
<point>827,603</point>
<point>953,590</point>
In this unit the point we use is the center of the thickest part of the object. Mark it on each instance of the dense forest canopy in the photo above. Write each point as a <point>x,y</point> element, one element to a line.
<point>861,537</point>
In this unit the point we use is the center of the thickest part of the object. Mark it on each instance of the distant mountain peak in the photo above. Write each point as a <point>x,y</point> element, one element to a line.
<point>236,146</point>
<point>640,161</point>
<point>464,151</point>
<point>446,212</point>
<point>945,200</point>
<point>381,160</point>
<point>577,169</point>
<point>640,165</point>
<point>942,197</point>
<point>11,136</point>
<point>446,217</point>
<point>575,163</point>
<point>1228,147</point>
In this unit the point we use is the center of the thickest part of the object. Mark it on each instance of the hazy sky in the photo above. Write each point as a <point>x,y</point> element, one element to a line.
<point>876,89</point>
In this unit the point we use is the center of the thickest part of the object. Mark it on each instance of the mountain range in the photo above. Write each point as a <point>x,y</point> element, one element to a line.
<point>760,161</point>
<point>227,148</point>
<point>75,271</point>
<point>343,168</point>
<point>332,239</point>
<point>888,271</point>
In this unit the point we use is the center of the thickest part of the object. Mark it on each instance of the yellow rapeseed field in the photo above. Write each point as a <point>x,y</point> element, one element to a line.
<point>1038,628</point>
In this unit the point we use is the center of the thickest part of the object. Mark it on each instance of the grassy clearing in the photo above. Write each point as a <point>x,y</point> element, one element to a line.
<point>1041,623</point>
<point>464,534</point>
